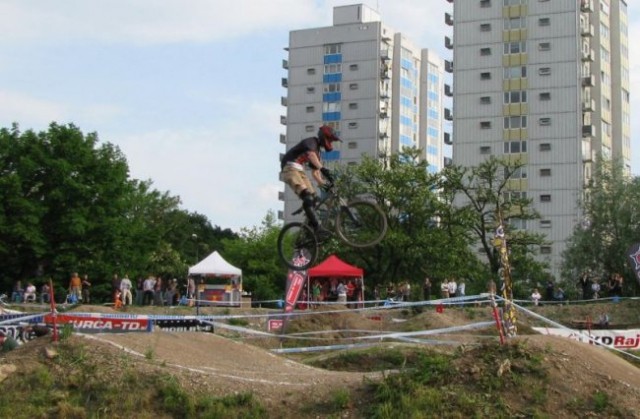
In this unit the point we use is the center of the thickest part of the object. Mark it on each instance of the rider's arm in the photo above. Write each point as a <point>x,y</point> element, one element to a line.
<point>316,165</point>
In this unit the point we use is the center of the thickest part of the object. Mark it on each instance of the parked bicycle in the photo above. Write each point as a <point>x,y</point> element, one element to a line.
<point>359,223</point>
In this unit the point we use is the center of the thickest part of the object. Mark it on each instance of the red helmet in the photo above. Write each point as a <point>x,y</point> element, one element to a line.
<point>326,135</point>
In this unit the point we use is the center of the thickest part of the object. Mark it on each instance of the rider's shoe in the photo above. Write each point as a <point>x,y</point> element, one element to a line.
<point>322,234</point>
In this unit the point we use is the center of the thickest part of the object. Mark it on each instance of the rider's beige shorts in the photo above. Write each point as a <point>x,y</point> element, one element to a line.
<point>297,180</point>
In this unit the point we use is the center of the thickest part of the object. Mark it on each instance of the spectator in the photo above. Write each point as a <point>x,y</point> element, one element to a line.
<point>603,319</point>
<point>453,287</point>
<point>461,289</point>
<point>585,283</point>
<point>426,289</point>
<point>172,292</point>
<point>115,285</point>
<point>491,287</point>
<point>125,290</point>
<point>315,293</point>
<point>75,287</point>
<point>559,295</point>
<point>147,287</point>
<point>549,295</point>
<point>45,294</point>
<point>444,288</point>
<point>406,292</point>
<point>615,285</point>
<point>342,292</point>
<point>535,296</point>
<point>86,289</point>
<point>30,293</point>
<point>139,291</point>
<point>17,295</point>
<point>595,290</point>
<point>158,292</point>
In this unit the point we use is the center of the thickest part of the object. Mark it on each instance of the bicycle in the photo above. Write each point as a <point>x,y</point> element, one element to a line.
<point>359,223</point>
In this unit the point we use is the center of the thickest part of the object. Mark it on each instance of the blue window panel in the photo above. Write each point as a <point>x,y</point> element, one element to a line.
<point>433,96</point>
<point>432,169</point>
<point>331,116</point>
<point>405,120</point>
<point>331,155</point>
<point>404,63</point>
<point>406,141</point>
<point>433,78</point>
<point>405,101</point>
<point>406,83</point>
<point>433,150</point>
<point>332,78</point>
<point>433,132</point>
<point>332,97</point>
<point>433,114</point>
<point>332,58</point>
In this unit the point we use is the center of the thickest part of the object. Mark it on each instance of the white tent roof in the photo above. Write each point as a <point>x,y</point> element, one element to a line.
<point>214,265</point>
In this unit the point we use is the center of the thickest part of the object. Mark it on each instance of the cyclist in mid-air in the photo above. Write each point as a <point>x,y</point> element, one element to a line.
<point>292,164</point>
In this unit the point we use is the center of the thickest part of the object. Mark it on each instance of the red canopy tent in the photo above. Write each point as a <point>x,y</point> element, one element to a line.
<point>334,267</point>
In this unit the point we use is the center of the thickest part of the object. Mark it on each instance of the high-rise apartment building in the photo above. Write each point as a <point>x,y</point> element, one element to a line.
<point>547,82</point>
<point>377,89</point>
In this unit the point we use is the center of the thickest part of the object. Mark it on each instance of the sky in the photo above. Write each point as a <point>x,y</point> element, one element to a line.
<point>189,90</point>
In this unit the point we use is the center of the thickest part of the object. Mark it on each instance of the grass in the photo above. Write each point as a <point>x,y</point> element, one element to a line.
<point>77,384</point>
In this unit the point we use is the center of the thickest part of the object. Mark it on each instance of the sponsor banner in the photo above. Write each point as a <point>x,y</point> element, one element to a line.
<point>618,339</point>
<point>295,283</point>
<point>274,325</point>
<point>183,325</point>
<point>21,317</point>
<point>96,323</point>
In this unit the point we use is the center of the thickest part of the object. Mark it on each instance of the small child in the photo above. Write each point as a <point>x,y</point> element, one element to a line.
<point>117,302</point>
<point>535,296</point>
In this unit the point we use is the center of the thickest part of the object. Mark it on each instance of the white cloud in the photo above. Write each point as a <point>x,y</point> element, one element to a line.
<point>23,108</point>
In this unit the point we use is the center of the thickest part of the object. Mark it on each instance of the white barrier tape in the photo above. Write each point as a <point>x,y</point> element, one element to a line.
<point>472,326</point>
<point>22,319</point>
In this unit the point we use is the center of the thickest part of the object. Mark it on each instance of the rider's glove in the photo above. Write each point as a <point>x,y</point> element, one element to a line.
<point>327,174</point>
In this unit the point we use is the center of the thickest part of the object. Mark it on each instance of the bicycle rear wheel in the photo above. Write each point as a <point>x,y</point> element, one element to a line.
<point>297,246</point>
<point>361,224</point>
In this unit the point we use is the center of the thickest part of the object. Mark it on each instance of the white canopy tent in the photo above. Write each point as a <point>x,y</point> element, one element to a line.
<point>220,282</point>
<point>214,265</point>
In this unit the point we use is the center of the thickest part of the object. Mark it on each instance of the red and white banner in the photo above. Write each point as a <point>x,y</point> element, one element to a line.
<point>618,339</point>
<point>295,283</point>
<point>97,323</point>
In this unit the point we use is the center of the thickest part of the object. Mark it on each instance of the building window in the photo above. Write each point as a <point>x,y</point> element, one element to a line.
<point>518,96</point>
<point>515,23</point>
<point>331,87</point>
<point>515,47</point>
<point>545,172</point>
<point>545,147</point>
<point>311,89</point>
<point>352,145</point>
<point>515,147</point>
<point>309,128</point>
<point>353,67</point>
<point>544,46</point>
<point>517,173</point>
<point>515,122</point>
<point>545,198</point>
<point>485,51</point>
<point>485,149</point>
<point>332,49</point>
<point>311,71</point>
<point>544,121</point>
<point>485,3</point>
<point>513,196</point>
<point>485,100</point>
<point>353,125</point>
<point>516,72</point>
<point>485,27</point>
<point>544,71</point>
<point>485,124</point>
<point>518,223</point>
<point>545,96</point>
<point>485,75</point>
<point>310,109</point>
<point>545,223</point>
<point>545,250</point>
<point>353,86</point>
<point>544,21</point>
<point>353,105</point>
<point>332,68</point>
<point>514,2</point>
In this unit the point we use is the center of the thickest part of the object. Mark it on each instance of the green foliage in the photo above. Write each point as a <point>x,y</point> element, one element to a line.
<point>610,226</point>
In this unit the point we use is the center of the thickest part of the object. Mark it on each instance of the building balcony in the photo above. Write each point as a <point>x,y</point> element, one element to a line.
<point>283,139</point>
<point>385,54</point>
<point>448,161</point>
<point>588,131</point>
<point>586,6</point>
<point>283,101</point>
<point>283,120</point>
<point>448,43</point>
<point>589,80</point>
<point>447,138</point>
<point>448,19</point>
<point>448,90</point>
<point>285,82</point>
<point>448,115</point>
<point>589,105</point>
<point>280,195</point>
<point>587,30</point>
<point>285,64</point>
<point>448,66</point>
<point>588,55</point>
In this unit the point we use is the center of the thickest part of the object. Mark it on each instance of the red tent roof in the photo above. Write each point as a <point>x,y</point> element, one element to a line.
<point>334,266</point>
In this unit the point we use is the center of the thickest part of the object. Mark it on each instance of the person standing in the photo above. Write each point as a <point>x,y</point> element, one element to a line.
<point>75,288</point>
<point>125,290</point>
<point>115,286</point>
<point>444,288</point>
<point>585,283</point>
<point>86,290</point>
<point>426,289</point>
<point>315,293</point>
<point>147,287</point>
<point>139,291</point>
<point>535,296</point>
<point>461,288</point>
<point>453,287</point>
<point>158,291</point>
<point>342,293</point>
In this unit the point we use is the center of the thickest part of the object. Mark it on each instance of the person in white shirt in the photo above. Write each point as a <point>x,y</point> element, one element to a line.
<point>535,296</point>
<point>125,289</point>
<point>453,287</point>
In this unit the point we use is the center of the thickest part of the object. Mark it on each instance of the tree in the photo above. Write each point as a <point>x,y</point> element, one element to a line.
<point>489,195</point>
<point>611,224</point>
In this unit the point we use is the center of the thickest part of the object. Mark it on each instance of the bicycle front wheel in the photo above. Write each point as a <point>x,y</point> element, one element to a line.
<point>361,224</point>
<point>297,246</point>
